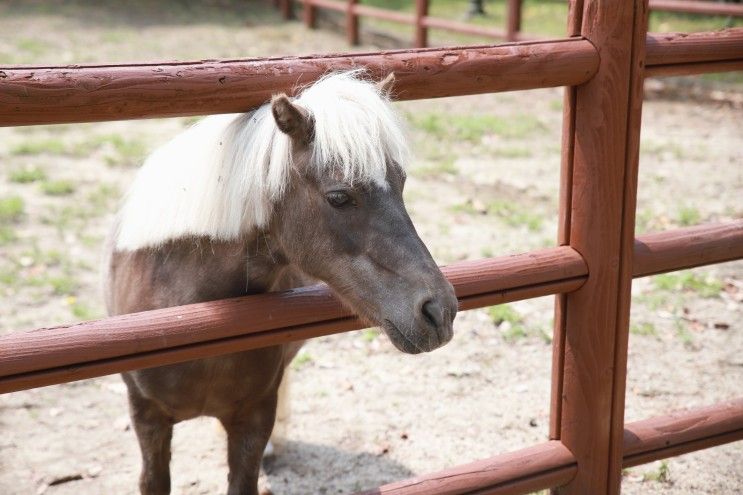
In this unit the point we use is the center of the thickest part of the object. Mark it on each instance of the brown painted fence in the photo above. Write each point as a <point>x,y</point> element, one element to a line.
<point>603,64</point>
<point>422,22</point>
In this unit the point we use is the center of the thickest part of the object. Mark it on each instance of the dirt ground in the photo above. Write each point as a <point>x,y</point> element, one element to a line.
<point>484,182</point>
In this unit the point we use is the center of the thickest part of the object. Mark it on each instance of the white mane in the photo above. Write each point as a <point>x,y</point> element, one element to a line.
<point>221,177</point>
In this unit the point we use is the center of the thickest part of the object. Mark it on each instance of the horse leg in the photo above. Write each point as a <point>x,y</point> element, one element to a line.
<point>283,411</point>
<point>248,432</point>
<point>154,431</point>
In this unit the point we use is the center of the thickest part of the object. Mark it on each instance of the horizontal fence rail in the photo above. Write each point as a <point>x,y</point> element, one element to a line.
<point>523,471</point>
<point>698,7</point>
<point>54,95</point>
<point>513,23</point>
<point>551,464</point>
<point>54,355</point>
<point>682,432</point>
<point>49,95</point>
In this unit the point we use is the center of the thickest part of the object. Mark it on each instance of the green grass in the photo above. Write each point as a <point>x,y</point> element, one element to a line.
<point>58,187</point>
<point>103,197</point>
<point>510,213</point>
<point>302,359</point>
<point>440,166</point>
<point>515,216</point>
<point>7,235</point>
<point>25,175</point>
<point>125,152</point>
<point>11,209</point>
<point>661,475</point>
<point>62,284</point>
<point>473,127</point>
<point>52,146</point>
<point>81,311</point>
<point>688,216</point>
<point>514,328</point>
<point>705,286</point>
<point>644,328</point>
<point>369,335</point>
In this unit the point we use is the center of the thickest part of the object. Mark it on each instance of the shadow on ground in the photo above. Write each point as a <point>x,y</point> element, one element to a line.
<point>311,468</point>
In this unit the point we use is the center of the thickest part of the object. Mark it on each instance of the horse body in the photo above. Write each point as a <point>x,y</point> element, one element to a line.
<point>270,200</point>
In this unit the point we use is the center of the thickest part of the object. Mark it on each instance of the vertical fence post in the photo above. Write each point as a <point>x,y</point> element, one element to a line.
<point>597,219</point>
<point>513,20</point>
<point>421,31</point>
<point>287,8</point>
<point>352,23</point>
<point>309,14</point>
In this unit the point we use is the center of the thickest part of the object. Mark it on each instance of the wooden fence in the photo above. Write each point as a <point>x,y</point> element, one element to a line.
<point>422,22</point>
<point>603,64</point>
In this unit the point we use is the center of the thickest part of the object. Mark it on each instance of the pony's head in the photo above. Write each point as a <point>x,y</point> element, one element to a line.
<point>322,175</point>
<point>342,219</point>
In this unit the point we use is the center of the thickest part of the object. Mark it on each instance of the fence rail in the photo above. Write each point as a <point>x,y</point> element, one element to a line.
<point>591,271</point>
<point>422,22</point>
<point>54,355</point>
<point>32,95</point>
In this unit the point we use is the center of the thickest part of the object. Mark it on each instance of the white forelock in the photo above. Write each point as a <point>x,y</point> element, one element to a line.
<point>221,177</point>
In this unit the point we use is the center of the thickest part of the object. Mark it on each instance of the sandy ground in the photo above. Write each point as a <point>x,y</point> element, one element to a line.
<point>363,414</point>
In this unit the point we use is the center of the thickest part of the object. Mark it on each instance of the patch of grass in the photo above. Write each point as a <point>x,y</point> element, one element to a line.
<point>474,127</point>
<point>302,359</point>
<point>31,46</point>
<point>705,286</point>
<point>441,166</point>
<point>644,328</point>
<point>62,284</point>
<point>661,475</point>
<point>80,310</point>
<point>11,209</point>
<point>52,146</point>
<point>125,152</point>
<point>653,300</point>
<point>514,216</point>
<point>688,216</point>
<point>7,235</point>
<point>504,313</point>
<point>103,196</point>
<point>26,175</point>
<point>57,187</point>
<point>369,335</point>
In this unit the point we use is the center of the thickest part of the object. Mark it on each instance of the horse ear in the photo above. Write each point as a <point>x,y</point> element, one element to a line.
<point>291,119</point>
<point>386,84</point>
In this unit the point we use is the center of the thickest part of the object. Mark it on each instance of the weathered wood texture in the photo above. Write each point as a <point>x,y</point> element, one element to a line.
<point>698,7</point>
<point>682,432</point>
<point>604,172</point>
<point>693,69</point>
<point>524,471</point>
<point>50,355</point>
<point>689,247</point>
<point>45,95</point>
<point>691,48</point>
<point>575,14</point>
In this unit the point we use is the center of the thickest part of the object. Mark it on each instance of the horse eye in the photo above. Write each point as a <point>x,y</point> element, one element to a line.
<point>338,199</point>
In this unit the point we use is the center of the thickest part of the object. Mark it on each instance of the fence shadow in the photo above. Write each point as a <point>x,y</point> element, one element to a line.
<point>304,468</point>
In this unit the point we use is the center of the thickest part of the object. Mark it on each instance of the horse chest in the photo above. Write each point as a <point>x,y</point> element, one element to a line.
<point>217,387</point>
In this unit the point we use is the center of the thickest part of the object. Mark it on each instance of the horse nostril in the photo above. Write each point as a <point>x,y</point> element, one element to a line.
<point>433,313</point>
